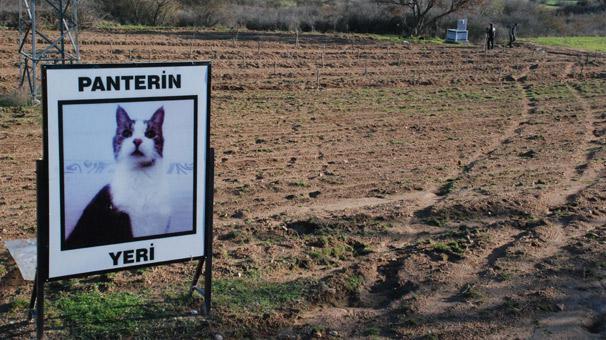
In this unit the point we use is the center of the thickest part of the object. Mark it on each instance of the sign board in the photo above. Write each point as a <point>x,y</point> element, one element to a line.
<point>126,148</point>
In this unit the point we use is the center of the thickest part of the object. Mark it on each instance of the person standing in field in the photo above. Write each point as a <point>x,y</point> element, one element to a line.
<point>513,30</point>
<point>491,32</point>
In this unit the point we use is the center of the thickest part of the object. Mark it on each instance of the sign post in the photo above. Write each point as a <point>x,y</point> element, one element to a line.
<point>207,261</point>
<point>126,180</point>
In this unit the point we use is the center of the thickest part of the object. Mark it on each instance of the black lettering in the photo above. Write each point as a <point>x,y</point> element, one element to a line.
<point>151,252</point>
<point>139,82</point>
<point>141,255</point>
<point>115,257</point>
<point>98,85</point>
<point>127,80</point>
<point>113,82</point>
<point>174,80</point>
<point>83,82</point>
<point>128,256</point>
<point>153,81</point>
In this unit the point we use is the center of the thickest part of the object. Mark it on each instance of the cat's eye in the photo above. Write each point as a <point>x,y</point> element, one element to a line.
<point>127,133</point>
<point>150,134</point>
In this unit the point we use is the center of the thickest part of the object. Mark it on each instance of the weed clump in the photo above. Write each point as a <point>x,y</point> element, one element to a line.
<point>14,99</point>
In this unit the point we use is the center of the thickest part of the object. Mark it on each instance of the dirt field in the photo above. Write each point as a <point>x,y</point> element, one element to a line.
<point>363,189</point>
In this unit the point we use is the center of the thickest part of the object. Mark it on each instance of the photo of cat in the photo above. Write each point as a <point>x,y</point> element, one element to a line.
<point>136,192</point>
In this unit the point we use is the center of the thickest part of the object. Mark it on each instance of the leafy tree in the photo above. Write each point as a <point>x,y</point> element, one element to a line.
<point>426,13</point>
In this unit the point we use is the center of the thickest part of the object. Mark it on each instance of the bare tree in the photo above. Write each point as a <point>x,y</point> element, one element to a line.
<point>203,12</point>
<point>159,9</point>
<point>426,13</point>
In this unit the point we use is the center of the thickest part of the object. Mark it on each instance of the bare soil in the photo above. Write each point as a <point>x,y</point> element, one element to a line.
<point>414,190</point>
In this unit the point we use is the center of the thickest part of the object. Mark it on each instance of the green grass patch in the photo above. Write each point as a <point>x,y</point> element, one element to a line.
<point>354,282</point>
<point>299,183</point>
<point>255,295</point>
<point>426,40</point>
<point>372,331</point>
<point>108,25</point>
<point>448,247</point>
<point>386,37</point>
<point>331,255</point>
<point>469,292</point>
<point>559,3</point>
<point>586,43</point>
<point>94,314</point>
<point>3,270</point>
<point>447,188</point>
<point>20,304</point>
<point>439,222</point>
<point>394,38</point>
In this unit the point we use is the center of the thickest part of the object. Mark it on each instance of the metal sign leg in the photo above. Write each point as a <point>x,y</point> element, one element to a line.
<point>37,301</point>
<point>207,284</point>
<point>32,301</point>
<point>39,309</point>
<point>208,237</point>
<point>42,251</point>
<point>206,261</point>
<point>205,292</point>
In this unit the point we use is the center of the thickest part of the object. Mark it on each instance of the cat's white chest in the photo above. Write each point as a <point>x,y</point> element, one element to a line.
<point>144,196</point>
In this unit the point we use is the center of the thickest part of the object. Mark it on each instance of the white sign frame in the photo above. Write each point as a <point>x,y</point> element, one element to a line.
<point>65,85</point>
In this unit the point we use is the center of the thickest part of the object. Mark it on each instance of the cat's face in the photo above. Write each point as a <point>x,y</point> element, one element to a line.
<point>138,142</point>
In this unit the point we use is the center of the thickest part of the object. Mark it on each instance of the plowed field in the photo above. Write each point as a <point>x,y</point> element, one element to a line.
<point>363,189</point>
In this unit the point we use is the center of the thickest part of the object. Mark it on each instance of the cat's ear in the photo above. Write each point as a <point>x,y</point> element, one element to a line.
<point>158,117</point>
<point>122,118</point>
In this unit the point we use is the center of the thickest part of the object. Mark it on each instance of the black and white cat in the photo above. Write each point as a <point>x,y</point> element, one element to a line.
<point>136,201</point>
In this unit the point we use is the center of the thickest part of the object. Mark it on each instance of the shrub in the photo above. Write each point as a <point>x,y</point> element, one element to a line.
<point>14,99</point>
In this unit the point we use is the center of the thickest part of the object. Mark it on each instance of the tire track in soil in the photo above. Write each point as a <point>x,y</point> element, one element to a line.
<point>586,173</point>
<point>528,106</point>
<point>589,175</point>
<point>441,300</point>
<point>558,234</point>
<point>474,268</point>
<point>418,200</point>
<point>436,301</point>
<point>422,200</point>
<point>554,236</point>
<point>511,131</point>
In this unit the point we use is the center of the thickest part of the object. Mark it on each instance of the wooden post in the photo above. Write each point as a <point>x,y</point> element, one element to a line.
<point>317,78</point>
<point>322,59</point>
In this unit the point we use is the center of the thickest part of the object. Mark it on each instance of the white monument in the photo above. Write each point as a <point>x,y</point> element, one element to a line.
<point>459,34</point>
